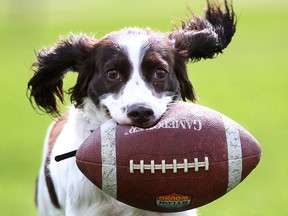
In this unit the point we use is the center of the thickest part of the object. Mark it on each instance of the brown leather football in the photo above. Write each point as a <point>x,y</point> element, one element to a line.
<point>191,157</point>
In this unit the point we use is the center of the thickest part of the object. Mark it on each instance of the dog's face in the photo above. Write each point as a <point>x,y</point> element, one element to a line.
<point>134,78</point>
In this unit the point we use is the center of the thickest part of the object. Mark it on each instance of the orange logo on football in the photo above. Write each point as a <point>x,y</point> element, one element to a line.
<point>173,201</point>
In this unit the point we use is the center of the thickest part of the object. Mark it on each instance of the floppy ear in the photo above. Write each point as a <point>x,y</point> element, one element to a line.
<point>206,37</point>
<point>52,64</point>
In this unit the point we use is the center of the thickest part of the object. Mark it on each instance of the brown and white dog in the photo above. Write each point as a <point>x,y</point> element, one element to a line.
<point>132,76</point>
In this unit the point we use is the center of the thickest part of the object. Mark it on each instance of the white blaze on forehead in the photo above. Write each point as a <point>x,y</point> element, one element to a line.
<point>134,45</point>
<point>135,90</point>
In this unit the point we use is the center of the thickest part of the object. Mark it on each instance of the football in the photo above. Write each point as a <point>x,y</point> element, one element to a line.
<point>191,157</point>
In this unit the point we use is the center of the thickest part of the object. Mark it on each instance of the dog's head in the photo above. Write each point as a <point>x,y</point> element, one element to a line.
<point>133,74</point>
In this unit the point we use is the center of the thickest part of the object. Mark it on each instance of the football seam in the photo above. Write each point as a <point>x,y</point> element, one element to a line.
<point>175,166</point>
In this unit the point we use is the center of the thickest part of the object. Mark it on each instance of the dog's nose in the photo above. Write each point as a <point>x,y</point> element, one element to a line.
<point>140,115</point>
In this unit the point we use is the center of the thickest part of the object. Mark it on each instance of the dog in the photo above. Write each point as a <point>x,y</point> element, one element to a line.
<point>131,76</point>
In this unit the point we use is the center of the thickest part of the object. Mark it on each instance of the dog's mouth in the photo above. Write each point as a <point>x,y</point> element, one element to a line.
<point>146,124</point>
<point>141,122</point>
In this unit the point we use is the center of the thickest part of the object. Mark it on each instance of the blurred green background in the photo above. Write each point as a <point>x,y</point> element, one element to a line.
<point>247,83</point>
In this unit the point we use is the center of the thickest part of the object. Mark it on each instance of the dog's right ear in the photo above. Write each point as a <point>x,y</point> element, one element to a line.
<point>52,64</point>
<point>205,37</point>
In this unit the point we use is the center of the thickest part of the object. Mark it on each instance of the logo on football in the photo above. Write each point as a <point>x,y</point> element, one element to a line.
<point>173,201</point>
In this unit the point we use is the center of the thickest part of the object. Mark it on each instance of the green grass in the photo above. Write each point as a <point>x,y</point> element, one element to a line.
<point>247,83</point>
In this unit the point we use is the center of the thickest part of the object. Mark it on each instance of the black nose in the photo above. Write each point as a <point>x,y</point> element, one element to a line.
<point>140,115</point>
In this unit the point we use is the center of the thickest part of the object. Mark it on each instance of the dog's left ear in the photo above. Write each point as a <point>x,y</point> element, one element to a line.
<point>202,38</point>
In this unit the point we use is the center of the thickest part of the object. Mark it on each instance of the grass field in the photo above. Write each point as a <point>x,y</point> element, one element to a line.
<point>247,83</point>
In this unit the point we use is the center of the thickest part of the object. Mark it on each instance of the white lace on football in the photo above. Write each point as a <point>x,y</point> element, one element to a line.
<point>175,166</point>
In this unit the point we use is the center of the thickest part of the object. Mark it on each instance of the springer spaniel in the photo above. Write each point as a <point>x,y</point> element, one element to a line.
<point>132,76</point>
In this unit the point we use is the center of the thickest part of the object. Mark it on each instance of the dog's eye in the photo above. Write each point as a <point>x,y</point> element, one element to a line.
<point>160,73</point>
<point>113,74</point>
